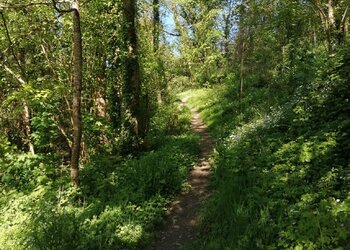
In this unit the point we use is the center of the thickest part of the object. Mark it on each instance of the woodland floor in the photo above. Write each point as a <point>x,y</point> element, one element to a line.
<point>182,214</point>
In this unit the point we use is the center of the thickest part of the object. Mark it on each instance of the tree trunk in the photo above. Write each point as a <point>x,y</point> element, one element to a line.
<point>76,90</point>
<point>156,22</point>
<point>26,116</point>
<point>156,33</point>
<point>227,27</point>
<point>343,27</point>
<point>26,110</point>
<point>241,48</point>
<point>241,73</point>
<point>331,14</point>
<point>331,26</point>
<point>227,37</point>
<point>132,71</point>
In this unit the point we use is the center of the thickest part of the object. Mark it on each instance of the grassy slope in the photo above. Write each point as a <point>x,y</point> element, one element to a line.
<point>281,171</point>
<point>121,200</point>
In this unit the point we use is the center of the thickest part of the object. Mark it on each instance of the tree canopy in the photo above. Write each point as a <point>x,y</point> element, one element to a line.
<point>94,142</point>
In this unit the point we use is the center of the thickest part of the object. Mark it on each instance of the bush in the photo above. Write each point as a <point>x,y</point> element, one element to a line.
<point>281,170</point>
<point>120,199</point>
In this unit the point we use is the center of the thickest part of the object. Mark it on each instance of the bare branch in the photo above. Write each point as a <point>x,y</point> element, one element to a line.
<point>19,6</point>
<point>10,71</point>
<point>171,33</point>
<point>63,131</point>
<point>54,3</point>
<point>319,9</point>
<point>11,45</point>
<point>344,15</point>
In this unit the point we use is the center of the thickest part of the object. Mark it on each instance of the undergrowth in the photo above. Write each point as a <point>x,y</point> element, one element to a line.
<point>119,201</point>
<point>281,168</point>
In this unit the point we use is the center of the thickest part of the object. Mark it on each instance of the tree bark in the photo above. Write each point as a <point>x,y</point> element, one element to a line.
<point>331,26</point>
<point>226,36</point>
<point>28,130</point>
<point>156,33</point>
<point>343,27</point>
<point>241,71</point>
<point>132,71</point>
<point>26,109</point>
<point>156,23</point>
<point>228,22</point>
<point>241,41</point>
<point>76,91</point>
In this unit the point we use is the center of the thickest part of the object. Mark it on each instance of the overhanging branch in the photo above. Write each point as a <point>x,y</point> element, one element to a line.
<point>11,45</point>
<point>11,72</point>
<point>54,3</point>
<point>171,33</point>
<point>20,6</point>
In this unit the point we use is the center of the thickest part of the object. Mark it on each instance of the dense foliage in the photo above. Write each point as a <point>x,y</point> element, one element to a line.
<point>282,176</point>
<point>94,144</point>
<point>119,201</point>
<point>281,166</point>
<point>125,179</point>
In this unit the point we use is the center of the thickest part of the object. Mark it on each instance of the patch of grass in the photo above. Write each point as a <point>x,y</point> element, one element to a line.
<point>222,110</point>
<point>281,172</point>
<point>119,202</point>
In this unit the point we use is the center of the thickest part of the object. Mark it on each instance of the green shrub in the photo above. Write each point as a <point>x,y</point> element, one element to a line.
<point>120,199</point>
<point>281,171</point>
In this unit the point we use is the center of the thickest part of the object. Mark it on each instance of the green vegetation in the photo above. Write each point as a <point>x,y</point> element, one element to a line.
<point>94,144</point>
<point>281,170</point>
<point>119,201</point>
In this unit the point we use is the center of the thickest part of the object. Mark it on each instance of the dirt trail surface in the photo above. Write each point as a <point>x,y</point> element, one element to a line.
<point>182,214</point>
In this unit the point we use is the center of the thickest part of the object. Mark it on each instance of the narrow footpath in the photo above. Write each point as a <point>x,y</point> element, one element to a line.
<point>182,213</point>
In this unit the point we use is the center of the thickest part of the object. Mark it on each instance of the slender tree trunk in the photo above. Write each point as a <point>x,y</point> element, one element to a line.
<point>331,26</point>
<point>241,61</point>
<point>241,47</point>
<point>227,27</point>
<point>331,14</point>
<point>156,23</point>
<point>132,71</point>
<point>156,33</point>
<point>241,73</point>
<point>226,43</point>
<point>26,116</point>
<point>26,109</point>
<point>346,26</point>
<point>77,86</point>
<point>343,27</point>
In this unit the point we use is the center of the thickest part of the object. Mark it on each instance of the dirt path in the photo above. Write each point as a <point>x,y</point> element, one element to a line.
<point>182,214</point>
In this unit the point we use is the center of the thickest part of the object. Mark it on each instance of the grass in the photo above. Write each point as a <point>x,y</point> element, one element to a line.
<point>280,170</point>
<point>120,201</point>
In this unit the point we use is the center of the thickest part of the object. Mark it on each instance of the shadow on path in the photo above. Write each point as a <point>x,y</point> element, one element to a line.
<point>182,213</point>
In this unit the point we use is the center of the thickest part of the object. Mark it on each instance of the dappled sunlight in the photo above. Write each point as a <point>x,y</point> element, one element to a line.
<point>182,213</point>
<point>175,124</point>
<point>280,179</point>
<point>119,203</point>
